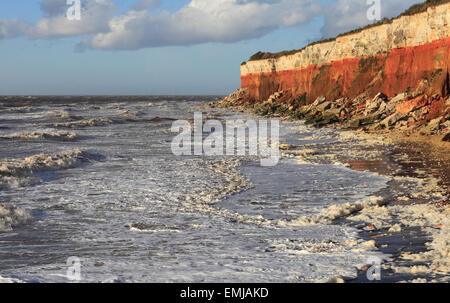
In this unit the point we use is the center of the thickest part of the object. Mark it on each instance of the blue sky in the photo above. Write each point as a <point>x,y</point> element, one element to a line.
<point>157,47</point>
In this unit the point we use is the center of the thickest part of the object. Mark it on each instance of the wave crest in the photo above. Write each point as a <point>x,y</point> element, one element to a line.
<point>62,135</point>
<point>21,172</point>
<point>82,123</point>
<point>11,216</point>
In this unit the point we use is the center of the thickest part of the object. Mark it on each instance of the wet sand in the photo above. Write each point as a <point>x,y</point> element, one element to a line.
<point>415,156</point>
<point>428,153</point>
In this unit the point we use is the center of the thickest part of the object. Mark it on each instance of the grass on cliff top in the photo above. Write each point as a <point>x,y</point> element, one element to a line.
<point>415,9</point>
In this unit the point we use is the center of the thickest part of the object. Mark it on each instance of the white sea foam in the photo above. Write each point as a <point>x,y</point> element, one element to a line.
<point>20,172</point>
<point>11,216</point>
<point>60,135</point>
<point>64,115</point>
<point>428,217</point>
<point>100,121</point>
<point>19,109</point>
<point>153,228</point>
<point>130,113</point>
<point>334,212</point>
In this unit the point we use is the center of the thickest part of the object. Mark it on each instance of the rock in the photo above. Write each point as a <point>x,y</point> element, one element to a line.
<point>392,104</point>
<point>319,100</point>
<point>362,121</point>
<point>324,106</point>
<point>337,279</point>
<point>335,105</point>
<point>274,97</point>
<point>382,108</point>
<point>320,119</point>
<point>355,123</point>
<point>401,124</point>
<point>360,99</point>
<point>373,106</point>
<point>399,98</point>
<point>236,96</point>
<point>341,101</point>
<point>446,138</point>
<point>419,114</point>
<point>432,127</point>
<point>435,124</point>
<point>381,97</point>
<point>391,120</point>
<point>412,105</point>
<point>343,112</point>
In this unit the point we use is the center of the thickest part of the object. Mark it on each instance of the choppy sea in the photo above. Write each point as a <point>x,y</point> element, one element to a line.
<point>95,178</point>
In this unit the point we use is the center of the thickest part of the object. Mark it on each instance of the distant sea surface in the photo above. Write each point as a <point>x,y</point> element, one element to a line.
<point>108,190</point>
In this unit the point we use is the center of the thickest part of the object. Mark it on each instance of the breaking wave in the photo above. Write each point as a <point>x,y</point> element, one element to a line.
<point>101,121</point>
<point>21,172</point>
<point>11,216</point>
<point>64,115</point>
<point>59,135</point>
<point>19,109</point>
<point>152,228</point>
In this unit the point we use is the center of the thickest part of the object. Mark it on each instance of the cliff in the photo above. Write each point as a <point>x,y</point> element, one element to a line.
<point>391,76</point>
<point>411,53</point>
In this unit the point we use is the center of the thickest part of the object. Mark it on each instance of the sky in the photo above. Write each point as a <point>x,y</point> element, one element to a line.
<point>159,47</point>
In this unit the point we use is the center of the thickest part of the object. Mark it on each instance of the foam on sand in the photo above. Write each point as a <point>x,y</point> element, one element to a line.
<point>434,219</point>
<point>334,212</point>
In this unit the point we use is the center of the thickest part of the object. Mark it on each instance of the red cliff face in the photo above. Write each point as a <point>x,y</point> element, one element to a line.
<point>424,67</point>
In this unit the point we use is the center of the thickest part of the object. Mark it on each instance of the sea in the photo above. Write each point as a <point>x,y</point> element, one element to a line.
<point>91,191</point>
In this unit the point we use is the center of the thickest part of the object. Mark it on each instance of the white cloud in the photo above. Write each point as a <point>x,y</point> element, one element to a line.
<point>203,21</point>
<point>12,28</point>
<point>199,21</point>
<point>95,15</point>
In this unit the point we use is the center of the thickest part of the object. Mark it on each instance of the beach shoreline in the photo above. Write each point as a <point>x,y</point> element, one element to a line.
<point>411,240</point>
<point>407,157</point>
